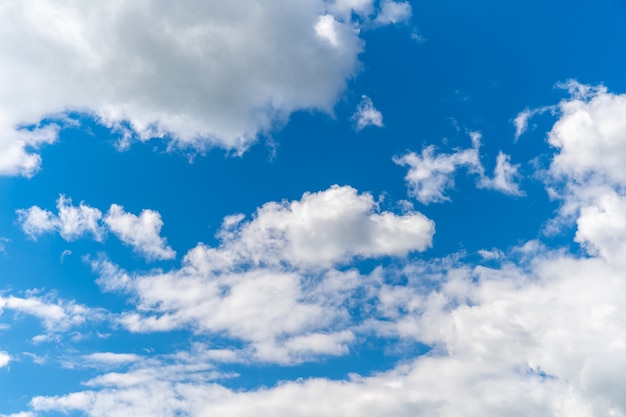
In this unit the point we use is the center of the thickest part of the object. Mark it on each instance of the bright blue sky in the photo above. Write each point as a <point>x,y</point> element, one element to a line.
<point>339,207</point>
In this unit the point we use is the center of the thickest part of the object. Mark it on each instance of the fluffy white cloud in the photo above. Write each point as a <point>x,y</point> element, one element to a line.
<point>367,115</point>
<point>431,174</point>
<point>324,228</point>
<point>5,358</point>
<point>546,338</point>
<point>504,178</point>
<point>271,282</point>
<point>590,135</point>
<point>71,222</point>
<point>141,232</point>
<point>602,226</point>
<point>202,73</point>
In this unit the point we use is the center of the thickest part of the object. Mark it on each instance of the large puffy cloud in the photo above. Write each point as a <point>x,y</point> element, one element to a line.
<point>203,73</point>
<point>272,282</point>
<point>545,339</point>
<point>587,172</point>
<point>324,228</point>
<point>590,135</point>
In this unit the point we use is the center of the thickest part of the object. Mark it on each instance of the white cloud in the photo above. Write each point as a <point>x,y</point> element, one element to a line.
<point>589,135</point>
<point>35,221</point>
<point>203,73</point>
<point>72,222</point>
<point>367,115</point>
<point>392,12</point>
<point>141,232</point>
<point>505,176</point>
<point>548,340</point>
<point>521,122</point>
<point>271,282</point>
<point>110,358</point>
<point>325,228</point>
<point>430,175</point>
<point>5,358</point>
<point>56,315</point>
<point>22,414</point>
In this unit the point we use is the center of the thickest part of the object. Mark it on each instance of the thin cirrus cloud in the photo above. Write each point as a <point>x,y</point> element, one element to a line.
<point>540,332</point>
<point>203,74</point>
<point>141,232</point>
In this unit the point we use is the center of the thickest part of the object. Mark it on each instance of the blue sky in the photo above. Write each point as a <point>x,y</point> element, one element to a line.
<point>321,207</point>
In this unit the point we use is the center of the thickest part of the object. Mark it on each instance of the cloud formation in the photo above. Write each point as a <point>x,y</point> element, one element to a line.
<point>540,331</point>
<point>431,174</point>
<point>367,115</point>
<point>72,222</point>
<point>202,74</point>
<point>273,282</point>
<point>141,232</point>
<point>505,177</point>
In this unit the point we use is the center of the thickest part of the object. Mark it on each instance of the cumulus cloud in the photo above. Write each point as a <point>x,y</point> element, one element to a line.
<point>72,222</point>
<point>542,333</point>
<point>325,228</point>
<point>141,232</point>
<point>272,281</point>
<point>367,115</point>
<point>589,135</point>
<point>202,74</point>
<point>505,340</point>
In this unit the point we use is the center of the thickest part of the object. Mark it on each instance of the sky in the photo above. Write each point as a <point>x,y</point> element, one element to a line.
<point>312,208</point>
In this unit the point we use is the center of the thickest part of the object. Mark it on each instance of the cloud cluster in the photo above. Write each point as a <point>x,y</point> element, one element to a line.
<point>141,232</point>
<point>273,281</point>
<point>539,332</point>
<point>202,73</point>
